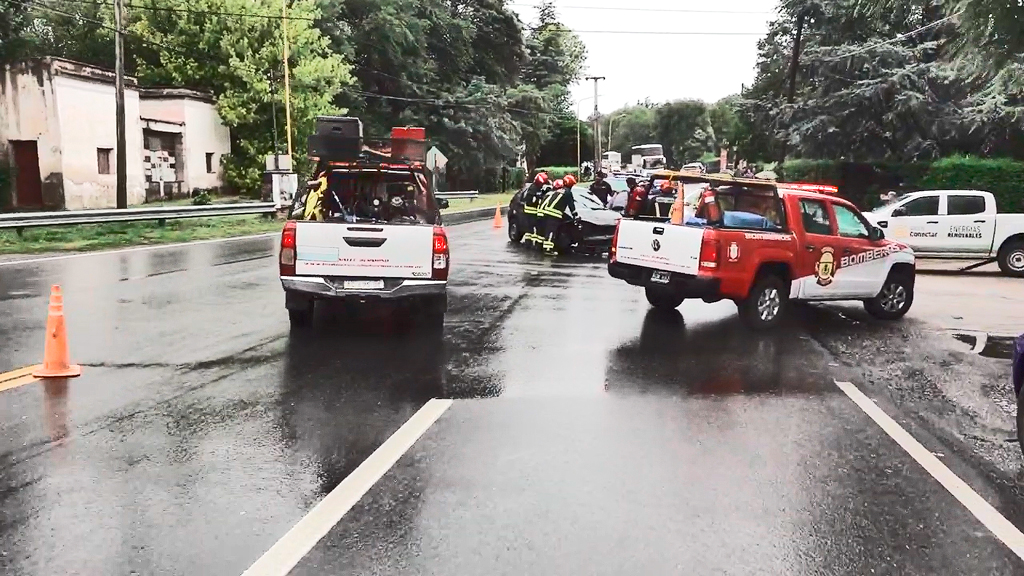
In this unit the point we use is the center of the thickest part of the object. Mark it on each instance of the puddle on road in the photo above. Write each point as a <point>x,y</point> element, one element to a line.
<point>1000,347</point>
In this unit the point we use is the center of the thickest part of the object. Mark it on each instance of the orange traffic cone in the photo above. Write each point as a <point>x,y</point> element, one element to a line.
<point>497,217</point>
<point>56,357</point>
<point>676,215</point>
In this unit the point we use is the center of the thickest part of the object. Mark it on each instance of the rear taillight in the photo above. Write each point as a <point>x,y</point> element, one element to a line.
<point>615,242</point>
<point>440,255</point>
<point>288,249</point>
<point>709,252</point>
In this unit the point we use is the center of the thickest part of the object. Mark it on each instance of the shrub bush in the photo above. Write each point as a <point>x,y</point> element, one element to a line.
<point>1003,177</point>
<point>556,172</point>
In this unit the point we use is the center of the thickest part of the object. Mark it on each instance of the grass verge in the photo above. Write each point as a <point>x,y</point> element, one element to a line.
<point>88,237</point>
<point>482,201</point>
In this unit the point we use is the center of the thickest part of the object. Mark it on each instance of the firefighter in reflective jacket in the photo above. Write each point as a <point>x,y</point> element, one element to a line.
<point>532,199</point>
<point>553,211</point>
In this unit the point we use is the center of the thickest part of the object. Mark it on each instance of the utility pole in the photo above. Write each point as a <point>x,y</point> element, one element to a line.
<point>120,154</point>
<point>273,117</point>
<point>597,126</point>
<point>287,88</point>
<point>794,63</point>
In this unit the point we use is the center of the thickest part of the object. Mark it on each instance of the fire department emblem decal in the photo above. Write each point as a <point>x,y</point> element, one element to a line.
<point>734,252</point>
<point>825,269</point>
<point>656,244</point>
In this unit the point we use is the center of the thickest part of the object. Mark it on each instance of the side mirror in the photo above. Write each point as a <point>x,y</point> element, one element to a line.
<point>442,203</point>
<point>901,211</point>
<point>876,234</point>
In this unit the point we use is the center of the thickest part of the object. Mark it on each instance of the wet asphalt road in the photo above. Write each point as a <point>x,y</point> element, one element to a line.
<point>589,435</point>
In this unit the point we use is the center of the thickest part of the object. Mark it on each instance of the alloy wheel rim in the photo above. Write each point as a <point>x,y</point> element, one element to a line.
<point>894,297</point>
<point>768,304</point>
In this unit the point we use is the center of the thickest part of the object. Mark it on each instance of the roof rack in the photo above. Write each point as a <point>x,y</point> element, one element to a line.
<point>340,139</point>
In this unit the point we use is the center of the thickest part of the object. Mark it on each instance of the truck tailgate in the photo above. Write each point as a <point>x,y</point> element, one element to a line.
<point>363,250</point>
<point>658,245</point>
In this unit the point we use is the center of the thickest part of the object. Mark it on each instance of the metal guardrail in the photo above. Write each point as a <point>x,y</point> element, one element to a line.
<point>66,218</point>
<point>457,195</point>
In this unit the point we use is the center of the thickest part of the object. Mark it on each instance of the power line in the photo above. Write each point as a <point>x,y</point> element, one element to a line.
<point>190,11</point>
<point>628,9</point>
<point>100,24</point>
<point>896,39</point>
<point>644,32</point>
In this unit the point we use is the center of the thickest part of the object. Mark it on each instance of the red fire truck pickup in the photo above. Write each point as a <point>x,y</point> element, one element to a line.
<point>763,245</point>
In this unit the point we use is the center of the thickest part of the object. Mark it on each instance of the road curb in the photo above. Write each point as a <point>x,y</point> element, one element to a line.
<point>466,216</point>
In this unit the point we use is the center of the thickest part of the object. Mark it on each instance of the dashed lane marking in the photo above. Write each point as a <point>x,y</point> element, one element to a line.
<point>297,542</point>
<point>982,510</point>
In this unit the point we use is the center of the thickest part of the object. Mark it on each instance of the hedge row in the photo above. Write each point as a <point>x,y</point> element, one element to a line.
<point>556,172</point>
<point>863,183</point>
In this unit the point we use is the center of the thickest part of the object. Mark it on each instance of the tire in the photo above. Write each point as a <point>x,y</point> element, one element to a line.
<point>663,298</point>
<point>300,309</point>
<point>515,231</point>
<point>895,298</point>
<point>563,241</point>
<point>434,309</point>
<point>767,304</point>
<point>1011,258</point>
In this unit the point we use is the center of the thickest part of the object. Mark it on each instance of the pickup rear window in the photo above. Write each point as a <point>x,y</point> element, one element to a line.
<point>745,208</point>
<point>368,195</point>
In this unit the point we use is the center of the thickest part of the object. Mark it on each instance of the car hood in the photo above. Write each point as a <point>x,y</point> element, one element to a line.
<point>598,217</point>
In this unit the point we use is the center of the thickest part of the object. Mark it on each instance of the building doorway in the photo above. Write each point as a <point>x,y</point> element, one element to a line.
<point>28,186</point>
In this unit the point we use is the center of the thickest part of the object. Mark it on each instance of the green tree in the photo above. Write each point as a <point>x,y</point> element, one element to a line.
<point>684,131</point>
<point>239,60</point>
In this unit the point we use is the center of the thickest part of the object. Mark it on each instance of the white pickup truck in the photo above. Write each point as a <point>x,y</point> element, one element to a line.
<point>367,229</point>
<point>960,224</point>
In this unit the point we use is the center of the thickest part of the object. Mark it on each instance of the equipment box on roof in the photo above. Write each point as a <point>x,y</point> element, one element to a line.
<point>344,126</point>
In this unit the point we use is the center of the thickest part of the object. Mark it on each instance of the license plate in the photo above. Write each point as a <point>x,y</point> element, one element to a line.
<point>661,277</point>
<point>364,284</point>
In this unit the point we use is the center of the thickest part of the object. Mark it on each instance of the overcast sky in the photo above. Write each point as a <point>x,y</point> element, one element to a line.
<point>704,67</point>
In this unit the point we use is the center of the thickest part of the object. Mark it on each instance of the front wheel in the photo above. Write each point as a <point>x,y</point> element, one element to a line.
<point>766,304</point>
<point>663,298</point>
<point>515,231</point>
<point>1011,258</point>
<point>894,301</point>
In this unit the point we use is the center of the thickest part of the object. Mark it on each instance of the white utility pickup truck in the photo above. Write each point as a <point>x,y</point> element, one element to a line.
<point>368,228</point>
<point>960,224</point>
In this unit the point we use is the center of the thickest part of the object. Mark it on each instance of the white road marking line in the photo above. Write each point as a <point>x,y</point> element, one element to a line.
<point>982,510</point>
<point>138,249</point>
<point>297,542</point>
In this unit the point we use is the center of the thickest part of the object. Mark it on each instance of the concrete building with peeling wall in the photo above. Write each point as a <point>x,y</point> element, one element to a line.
<point>58,138</point>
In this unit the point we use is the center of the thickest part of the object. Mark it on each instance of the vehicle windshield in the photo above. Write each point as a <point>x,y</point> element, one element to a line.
<point>886,203</point>
<point>585,198</point>
<point>652,150</point>
<point>618,184</point>
<point>654,163</point>
<point>392,196</point>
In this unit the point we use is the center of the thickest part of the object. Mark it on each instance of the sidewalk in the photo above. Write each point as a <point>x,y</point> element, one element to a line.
<point>979,302</point>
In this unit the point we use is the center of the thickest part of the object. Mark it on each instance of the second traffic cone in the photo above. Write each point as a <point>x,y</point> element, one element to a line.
<point>56,356</point>
<point>497,217</point>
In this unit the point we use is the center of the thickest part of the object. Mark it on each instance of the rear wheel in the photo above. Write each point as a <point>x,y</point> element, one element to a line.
<point>767,303</point>
<point>434,309</point>
<point>301,318</point>
<point>895,299</point>
<point>300,309</point>
<point>663,298</point>
<point>1011,258</point>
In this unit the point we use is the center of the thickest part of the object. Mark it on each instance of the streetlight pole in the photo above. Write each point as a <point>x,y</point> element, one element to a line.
<point>597,125</point>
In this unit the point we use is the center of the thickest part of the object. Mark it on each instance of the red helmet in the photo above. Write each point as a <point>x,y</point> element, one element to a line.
<point>569,181</point>
<point>559,184</point>
<point>541,179</point>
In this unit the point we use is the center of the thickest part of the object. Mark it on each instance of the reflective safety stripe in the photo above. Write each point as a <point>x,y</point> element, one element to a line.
<point>527,209</point>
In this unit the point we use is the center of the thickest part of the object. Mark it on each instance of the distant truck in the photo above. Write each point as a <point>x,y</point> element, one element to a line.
<point>648,158</point>
<point>959,224</point>
<point>367,229</point>
<point>611,161</point>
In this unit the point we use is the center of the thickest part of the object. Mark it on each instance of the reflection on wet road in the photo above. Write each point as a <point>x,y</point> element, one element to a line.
<point>589,434</point>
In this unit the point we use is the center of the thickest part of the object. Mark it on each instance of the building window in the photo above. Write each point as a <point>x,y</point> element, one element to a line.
<point>103,160</point>
<point>209,162</point>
